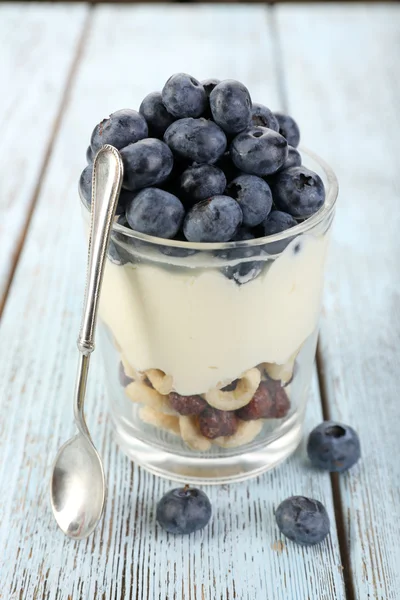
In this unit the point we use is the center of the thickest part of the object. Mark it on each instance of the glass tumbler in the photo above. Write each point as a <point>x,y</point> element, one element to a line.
<point>208,348</point>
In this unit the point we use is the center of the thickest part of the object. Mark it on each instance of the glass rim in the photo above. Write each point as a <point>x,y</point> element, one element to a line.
<point>307,225</point>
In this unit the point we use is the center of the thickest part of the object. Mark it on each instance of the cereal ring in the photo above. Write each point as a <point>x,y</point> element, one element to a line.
<point>240,396</point>
<point>191,434</point>
<point>245,433</point>
<point>282,373</point>
<point>142,393</point>
<point>159,380</point>
<point>161,420</point>
<point>129,370</point>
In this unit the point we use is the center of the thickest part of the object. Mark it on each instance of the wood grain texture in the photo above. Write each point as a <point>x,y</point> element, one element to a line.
<point>343,85</point>
<point>37,52</point>
<point>130,51</point>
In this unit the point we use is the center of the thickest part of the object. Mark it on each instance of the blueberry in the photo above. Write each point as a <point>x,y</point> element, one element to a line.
<point>264,117</point>
<point>226,165</point>
<point>230,103</point>
<point>213,220</point>
<point>276,222</point>
<point>177,251</point>
<point>303,520</point>
<point>187,405</point>
<point>259,151</point>
<point>184,510</point>
<point>293,159</point>
<point>215,423</point>
<point>89,155</point>
<point>120,129</point>
<point>246,270</point>
<point>209,85</point>
<point>298,191</point>
<point>199,182</point>
<point>196,140</point>
<point>254,197</point>
<point>155,212</point>
<point>157,117</point>
<point>184,96</point>
<point>117,252</point>
<point>147,162</point>
<point>85,184</point>
<point>289,129</point>
<point>333,446</point>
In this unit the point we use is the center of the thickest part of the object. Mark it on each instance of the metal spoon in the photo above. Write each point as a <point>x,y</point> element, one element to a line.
<point>78,487</point>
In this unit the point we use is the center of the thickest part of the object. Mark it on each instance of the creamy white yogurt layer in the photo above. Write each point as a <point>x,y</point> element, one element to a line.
<point>204,329</point>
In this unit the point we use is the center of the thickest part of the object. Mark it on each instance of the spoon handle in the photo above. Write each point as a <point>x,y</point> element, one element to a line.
<point>106,186</point>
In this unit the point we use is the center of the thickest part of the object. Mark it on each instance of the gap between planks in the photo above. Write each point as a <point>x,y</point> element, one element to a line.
<point>322,389</point>
<point>80,46</point>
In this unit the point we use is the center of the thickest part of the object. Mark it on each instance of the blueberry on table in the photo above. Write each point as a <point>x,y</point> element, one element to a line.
<point>184,96</point>
<point>262,116</point>
<point>254,197</point>
<point>259,151</point>
<point>214,220</point>
<point>215,423</point>
<point>209,85</point>
<point>333,446</point>
<point>199,182</point>
<point>288,128</point>
<point>298,191</point>
<point>157,117</point>
<point>293,159</point>
<point>146,163</point>
<point>303,520</point>
<point>155,212</point>
<point>231,104</point>
<point>196,140</point>
<point>184,510</point>
<point>120,129</point>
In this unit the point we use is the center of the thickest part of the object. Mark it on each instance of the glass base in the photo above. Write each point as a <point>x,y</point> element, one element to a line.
<point>199,469</point>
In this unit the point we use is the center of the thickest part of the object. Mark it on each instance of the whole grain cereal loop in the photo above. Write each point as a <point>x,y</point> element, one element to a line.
<point>238,397</point>
<point>144,394</point>
<point>282,373</point>
<point>158,419</point>
<point>160,381</point>
<point>191,435</point>
<point>245,433</point>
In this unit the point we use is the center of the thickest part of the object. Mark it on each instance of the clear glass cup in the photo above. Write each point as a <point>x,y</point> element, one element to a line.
<point>209,348</point>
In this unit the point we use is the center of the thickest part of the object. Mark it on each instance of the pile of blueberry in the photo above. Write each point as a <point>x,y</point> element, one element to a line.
<point>331,446</point>
<point>203,163</point>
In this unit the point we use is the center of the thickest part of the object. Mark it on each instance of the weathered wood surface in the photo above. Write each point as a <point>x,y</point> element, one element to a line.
<point>126,52</point>
<point>350,112</point>
<point>36,60</point>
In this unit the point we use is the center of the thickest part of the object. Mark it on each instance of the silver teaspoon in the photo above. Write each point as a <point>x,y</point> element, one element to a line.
<point>78,487</point>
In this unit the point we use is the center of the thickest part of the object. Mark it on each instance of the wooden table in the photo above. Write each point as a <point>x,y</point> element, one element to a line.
<point>62,68</point>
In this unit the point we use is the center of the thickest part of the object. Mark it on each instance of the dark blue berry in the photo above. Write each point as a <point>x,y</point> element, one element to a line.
<point>120,250</point>
<point>298,191</point>
<point>262,116</point>
<point>199,182</point>
<point>85,184</point>
<point>196,140</point>
<point>247,270</point>
<point>148,162</point>
<point>213,220</point>
<point>184,96</point>
<point>333,446</point>
<point>289,129</point>
<point>209,85</point>
<point>259,151</point>
<point>89,155</point>
<point>184,510</point>
<point>157,117</point>
<point>276,222</point>
<point>303,520</point>
<point>155,212</point>
<point>177,251</point>
<point>120,129</point>
<point>230,104</point>
<point>254,197</point>
<point>226,165</point>
<point>293,159</point>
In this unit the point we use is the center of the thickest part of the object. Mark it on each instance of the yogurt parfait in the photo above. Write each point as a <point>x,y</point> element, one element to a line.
<point>212,289</point>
